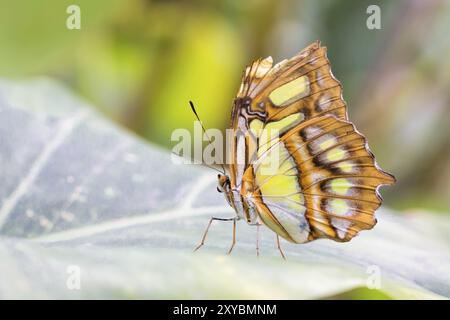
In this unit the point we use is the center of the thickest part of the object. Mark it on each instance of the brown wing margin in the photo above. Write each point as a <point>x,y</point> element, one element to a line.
<point>339,177</point>
<point>325,91</point>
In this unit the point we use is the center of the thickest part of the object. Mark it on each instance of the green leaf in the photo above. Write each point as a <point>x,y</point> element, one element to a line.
<point>78,191</point>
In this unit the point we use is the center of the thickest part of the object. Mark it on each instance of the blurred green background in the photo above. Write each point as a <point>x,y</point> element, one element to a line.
<point>141,61</point>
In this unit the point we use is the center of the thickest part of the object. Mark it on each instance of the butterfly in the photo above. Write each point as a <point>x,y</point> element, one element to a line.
<point>324,179</point>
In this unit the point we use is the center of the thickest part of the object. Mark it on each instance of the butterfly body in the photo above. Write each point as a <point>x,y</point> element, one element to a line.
<point>298,165</point>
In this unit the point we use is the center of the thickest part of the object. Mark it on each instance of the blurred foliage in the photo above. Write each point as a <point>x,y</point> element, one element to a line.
<point>361,293</point>
<point>141,61</point>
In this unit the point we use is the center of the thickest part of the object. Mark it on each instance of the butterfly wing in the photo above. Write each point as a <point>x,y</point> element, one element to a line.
<point>303,85</point>
<point>325,184</point>
<point>315,188</point>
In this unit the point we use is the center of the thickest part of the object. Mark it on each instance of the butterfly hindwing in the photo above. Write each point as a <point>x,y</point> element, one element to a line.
<point>339,177</point>
<point>326,182</point>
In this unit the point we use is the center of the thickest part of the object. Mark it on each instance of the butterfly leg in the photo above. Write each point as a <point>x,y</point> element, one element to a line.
<point>202,242</point>
<point>234,236</point>
<point>257,240</point>
<point>279,247</point>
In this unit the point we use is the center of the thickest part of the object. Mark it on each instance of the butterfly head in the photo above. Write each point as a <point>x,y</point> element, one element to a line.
<point>223,184</point>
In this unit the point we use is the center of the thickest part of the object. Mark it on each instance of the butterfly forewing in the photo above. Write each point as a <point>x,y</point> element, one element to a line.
<point>302,84</point>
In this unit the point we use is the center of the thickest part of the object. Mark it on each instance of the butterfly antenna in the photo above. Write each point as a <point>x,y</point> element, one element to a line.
<point>204,130</point>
